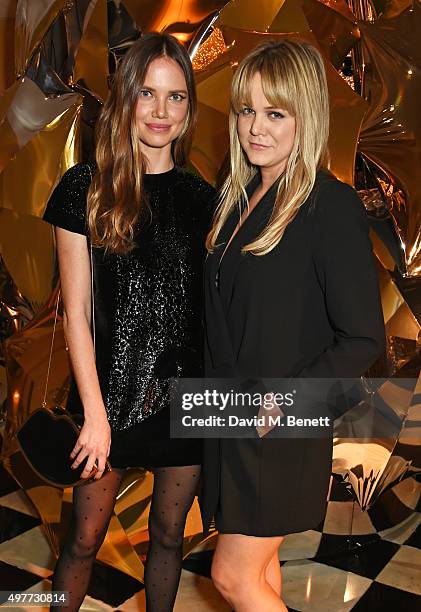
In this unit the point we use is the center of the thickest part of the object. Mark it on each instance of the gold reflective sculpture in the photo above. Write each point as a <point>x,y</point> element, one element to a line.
<point>181,18</point>
<point>91,58</point>
<point>391,133</point>
<point>31,24</point>
<point>41,137</point>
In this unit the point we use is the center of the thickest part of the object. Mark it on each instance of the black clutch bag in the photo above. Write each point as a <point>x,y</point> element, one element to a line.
<point>46,440</point>
<point>48,436</point>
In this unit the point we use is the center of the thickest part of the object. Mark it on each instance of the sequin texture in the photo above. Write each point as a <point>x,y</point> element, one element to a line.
<point>148,304</point>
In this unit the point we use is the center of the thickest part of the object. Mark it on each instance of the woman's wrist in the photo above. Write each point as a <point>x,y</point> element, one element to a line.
<point>92,413</point>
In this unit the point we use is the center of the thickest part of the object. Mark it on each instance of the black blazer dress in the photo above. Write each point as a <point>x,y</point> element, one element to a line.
<point>310,308</point>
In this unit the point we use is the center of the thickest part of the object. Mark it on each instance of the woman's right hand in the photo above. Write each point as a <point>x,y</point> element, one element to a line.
<point>94,442</point>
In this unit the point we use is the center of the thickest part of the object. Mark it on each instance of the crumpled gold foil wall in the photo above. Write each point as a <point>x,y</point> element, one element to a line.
<point>41,138</point>
<point>391,133</point>
<point>7,28</point>
<point>91,58</point>
<point>31,23</point>
<point>181,18</point>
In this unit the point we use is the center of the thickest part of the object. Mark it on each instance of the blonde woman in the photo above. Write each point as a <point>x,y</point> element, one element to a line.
<point>290,291</point>
<point>147,220</point>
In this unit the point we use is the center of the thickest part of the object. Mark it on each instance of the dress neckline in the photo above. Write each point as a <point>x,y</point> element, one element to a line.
<point>162,178</point>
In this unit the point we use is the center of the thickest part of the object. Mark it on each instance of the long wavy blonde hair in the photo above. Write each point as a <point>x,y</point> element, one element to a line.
<point>116,201</point>
<point>293,78</point>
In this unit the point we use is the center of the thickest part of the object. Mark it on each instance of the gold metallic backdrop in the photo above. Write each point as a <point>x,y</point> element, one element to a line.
<point>31,24</point>
<point>39,140</point>
<point>91,58</point>
<point>391,133</point>
<point>47,113</point>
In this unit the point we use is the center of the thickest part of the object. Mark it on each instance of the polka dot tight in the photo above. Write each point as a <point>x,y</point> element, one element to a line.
<point>173,494</point>
<point>93,505</point>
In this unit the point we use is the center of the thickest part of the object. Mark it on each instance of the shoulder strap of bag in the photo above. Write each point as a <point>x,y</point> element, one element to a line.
<point>91,257</point>
<point>44,400</point>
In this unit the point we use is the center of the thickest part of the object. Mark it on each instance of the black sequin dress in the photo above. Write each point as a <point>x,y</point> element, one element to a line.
<point>148,312</point>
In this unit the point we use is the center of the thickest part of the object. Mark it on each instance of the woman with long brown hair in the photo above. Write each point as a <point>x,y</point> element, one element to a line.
<point>143,219</point>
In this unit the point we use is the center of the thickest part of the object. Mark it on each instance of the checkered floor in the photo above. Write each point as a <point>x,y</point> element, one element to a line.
<point>377,571</point>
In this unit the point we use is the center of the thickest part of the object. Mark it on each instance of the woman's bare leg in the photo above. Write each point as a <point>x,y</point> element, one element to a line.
<point>239,571</point>
<point>273,573</point>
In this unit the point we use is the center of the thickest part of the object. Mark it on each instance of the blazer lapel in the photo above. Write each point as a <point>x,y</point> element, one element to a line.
<point>217,335</point>
<point>251,228</point>
<point>219,282</point>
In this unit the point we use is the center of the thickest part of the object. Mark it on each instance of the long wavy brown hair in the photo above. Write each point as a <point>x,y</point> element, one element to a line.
<point>116,200</point>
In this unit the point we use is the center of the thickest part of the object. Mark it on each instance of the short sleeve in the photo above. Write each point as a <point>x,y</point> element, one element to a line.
<point>66,207</point>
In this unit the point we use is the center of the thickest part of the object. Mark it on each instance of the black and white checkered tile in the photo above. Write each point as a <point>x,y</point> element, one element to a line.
<point>321,570</point>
